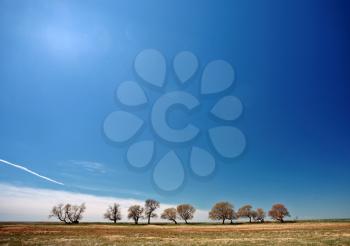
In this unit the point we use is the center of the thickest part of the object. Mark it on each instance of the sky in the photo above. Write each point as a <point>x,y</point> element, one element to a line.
<point>62,64</point>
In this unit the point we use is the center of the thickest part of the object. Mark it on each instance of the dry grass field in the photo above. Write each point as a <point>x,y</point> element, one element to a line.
<point>300,233</point>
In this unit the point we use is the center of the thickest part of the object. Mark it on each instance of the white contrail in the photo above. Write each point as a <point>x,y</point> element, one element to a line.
<point>30,171</point>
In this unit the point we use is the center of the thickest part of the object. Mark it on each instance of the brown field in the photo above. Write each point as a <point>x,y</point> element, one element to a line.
<point>300,233</point>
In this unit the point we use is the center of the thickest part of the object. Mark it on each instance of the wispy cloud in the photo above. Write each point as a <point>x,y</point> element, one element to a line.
<point>31,204</point>
<point>80,174</point>
<point>29,171</point>
<point>97,188</point>
<point>91,166</point>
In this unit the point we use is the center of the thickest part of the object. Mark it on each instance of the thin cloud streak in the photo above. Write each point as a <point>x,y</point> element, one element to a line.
<point>29,171</point>
<point>91,166</point>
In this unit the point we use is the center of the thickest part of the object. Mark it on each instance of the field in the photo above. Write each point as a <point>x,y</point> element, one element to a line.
<point>300,233</point>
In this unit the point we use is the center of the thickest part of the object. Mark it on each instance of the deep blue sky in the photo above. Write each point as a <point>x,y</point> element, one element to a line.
<point>62,60</point>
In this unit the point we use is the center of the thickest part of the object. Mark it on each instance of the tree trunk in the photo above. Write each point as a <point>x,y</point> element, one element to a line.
<point>223,221</point>
<point>231,222</point>
<point>250,219</point>
<point>149,220</point>
<point>115,221</point>
<point>186,221</point>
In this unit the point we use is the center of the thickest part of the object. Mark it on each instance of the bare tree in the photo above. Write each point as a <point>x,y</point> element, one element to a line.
<point>245,212</point>
<point>254,215</point>
<point>76,213</point>
<point>232,215</point>
<point>186,212</point>
<point>113,213</point>
<point>150,206</point>
<point>69,214</point>
<point>135,212</point>
<point>222,211</point>
<point>169,214</point>
<point>278,212</point>
<point>260,215</point>
<point>58,211</point>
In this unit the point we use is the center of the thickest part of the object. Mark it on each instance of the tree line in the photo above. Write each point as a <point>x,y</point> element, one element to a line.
<point>221,211</point>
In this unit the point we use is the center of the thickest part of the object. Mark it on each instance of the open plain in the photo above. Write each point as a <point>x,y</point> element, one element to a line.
<point>299,233</point>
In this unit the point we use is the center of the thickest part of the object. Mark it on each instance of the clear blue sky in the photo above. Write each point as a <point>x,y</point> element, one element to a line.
<point>61,62</point>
